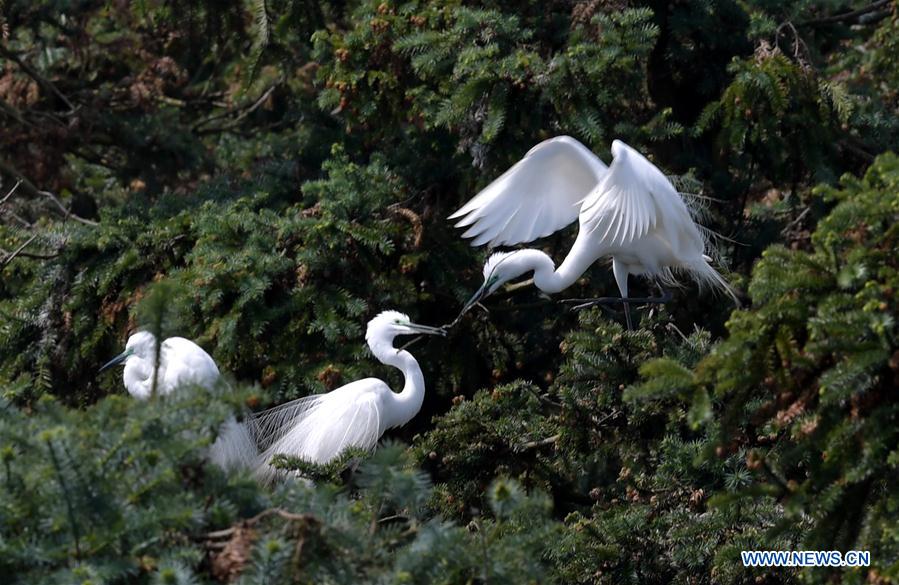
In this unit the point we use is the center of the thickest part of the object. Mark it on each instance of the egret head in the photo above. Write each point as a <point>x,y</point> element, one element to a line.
<point>388,324</point>
<point>141,345</point>
<point>499,269</point>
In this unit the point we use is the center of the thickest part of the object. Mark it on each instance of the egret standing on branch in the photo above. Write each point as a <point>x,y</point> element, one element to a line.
<point>629,211</point>
<point>319,428</point>
<point>183,362</point>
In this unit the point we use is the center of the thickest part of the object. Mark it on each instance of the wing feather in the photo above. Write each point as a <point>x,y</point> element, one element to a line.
<point>319,428</point>
<point>635,197</point>
<point>539,195</point>
<point>629,200</point>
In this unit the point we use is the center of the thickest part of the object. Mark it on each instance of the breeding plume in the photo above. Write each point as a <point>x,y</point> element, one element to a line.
<point>628,211</point>
<point>318,428</point>
<point>183,362</point>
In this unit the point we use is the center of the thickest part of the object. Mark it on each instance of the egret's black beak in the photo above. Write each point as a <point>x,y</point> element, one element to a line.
<point>116,360</point>
<point>427,330</point>
<point>476,298</point>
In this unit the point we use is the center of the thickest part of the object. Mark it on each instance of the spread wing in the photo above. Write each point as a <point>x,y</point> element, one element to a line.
<point>318,428</point>
<point>633,198</point>
<point>539,195</point>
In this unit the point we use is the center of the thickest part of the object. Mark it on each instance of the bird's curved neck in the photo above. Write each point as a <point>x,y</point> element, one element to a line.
<point>407,402</point>
<point>138,377</point>
<point>551,280</point>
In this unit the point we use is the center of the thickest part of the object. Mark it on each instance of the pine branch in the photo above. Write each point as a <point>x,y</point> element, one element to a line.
<point>70,507</point>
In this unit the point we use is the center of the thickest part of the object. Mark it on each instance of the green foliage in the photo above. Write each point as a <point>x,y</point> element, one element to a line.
<point>775,113</point>
<point>805,379</point>
<point>101,495</point>
<point>119,492</point>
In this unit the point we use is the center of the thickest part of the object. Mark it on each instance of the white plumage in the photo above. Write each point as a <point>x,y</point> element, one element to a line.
<point>183,362</point>
<point>628,211</point>
<point>319,428</point>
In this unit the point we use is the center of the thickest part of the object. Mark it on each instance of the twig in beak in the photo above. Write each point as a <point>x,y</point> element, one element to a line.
<point>412,341</point>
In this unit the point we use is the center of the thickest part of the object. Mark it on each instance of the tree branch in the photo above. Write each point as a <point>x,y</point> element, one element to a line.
<point>11,191</point>
<point>539,443</point>
<point>834,18</point>
<point>10,257</point>
<point>30,190</point>
<point>32,73</point>
<point>241,112</point>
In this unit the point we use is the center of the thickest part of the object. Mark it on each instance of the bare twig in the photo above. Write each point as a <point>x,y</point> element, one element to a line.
<point>289,516</point>
<point>241,113</point>
<point>11,191</point>
<point>834,18</point>
<point>795,222</point>
<point>10,257</point>
<point>65,211</point>
<point>28,188</point>
<point>30,255</point>
<point>539,443</point>
<point>32,73</point>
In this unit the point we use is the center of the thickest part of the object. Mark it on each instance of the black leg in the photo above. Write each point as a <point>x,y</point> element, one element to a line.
<point>603,302</point>
<point>665,297</point>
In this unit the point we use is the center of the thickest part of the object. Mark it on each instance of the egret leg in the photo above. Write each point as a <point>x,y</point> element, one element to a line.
<point>620,273</point>
<point>579,304</point>
<point>621,279</point>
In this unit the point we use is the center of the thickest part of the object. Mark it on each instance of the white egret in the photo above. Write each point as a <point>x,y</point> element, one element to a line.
<point>318,428</point>
<point>629,211</point>
<point>183,362</point>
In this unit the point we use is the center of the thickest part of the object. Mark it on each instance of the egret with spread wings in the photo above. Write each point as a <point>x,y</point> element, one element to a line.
<point>319,428</point>
<point>628,211</point>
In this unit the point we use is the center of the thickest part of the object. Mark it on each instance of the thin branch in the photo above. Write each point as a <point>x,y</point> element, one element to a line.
<point>241,111</point>
<point>65,211</point>
<point>31,255</point>
<point>12,112</point>
<point>847,15</point>
<point>10,257</point>
<point>36,76</point>
<point>11,191</point>
<point>289,516</point>
<point>29,189</point>
<point>539,443</point>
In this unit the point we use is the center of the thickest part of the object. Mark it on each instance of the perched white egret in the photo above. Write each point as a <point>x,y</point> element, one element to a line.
<point>183,362</point>
<point>628,211</point>
<point>318,428</point>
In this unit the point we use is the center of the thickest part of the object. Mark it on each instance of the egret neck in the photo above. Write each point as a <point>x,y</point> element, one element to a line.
<point>407,402</point>
<point>550,280</point>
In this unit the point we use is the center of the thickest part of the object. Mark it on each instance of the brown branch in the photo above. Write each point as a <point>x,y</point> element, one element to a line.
<point>536,444</point>
<point>834,18</point>
<point>241,112</point>
<point>32,255</point>
<point>289,516</point>
<point>32,73</point>
<point>66,213</point>
<point>28,188</point>
<point>10,257</point>
<point>414,219</point>
<point>11,191</point>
